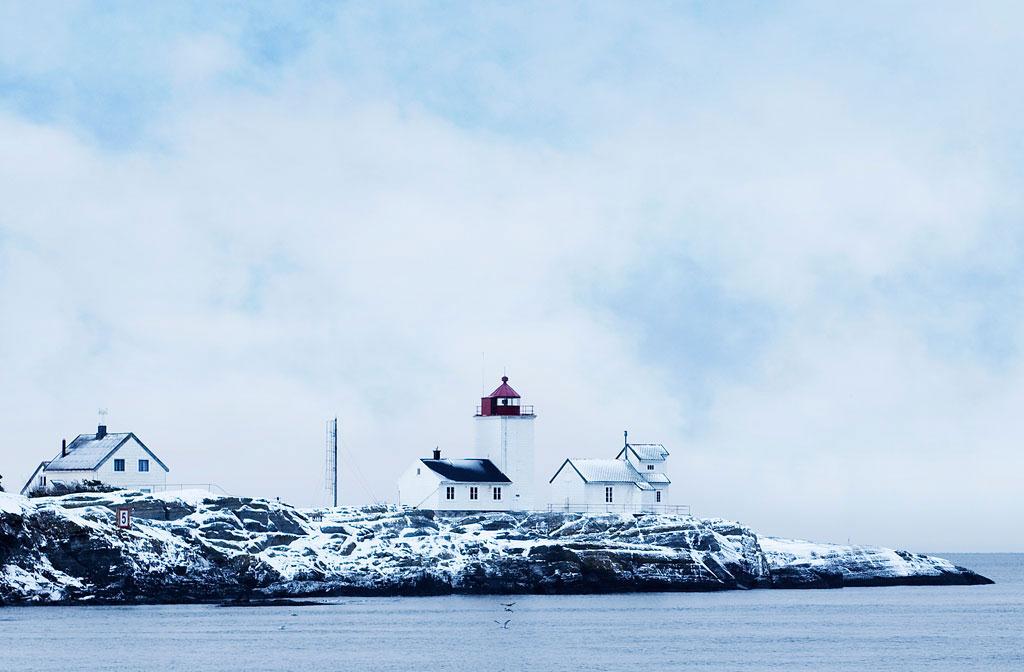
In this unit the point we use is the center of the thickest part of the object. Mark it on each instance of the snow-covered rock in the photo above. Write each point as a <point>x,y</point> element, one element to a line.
<point>192,546</point>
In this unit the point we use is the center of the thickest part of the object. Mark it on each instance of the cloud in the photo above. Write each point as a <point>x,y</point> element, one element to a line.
<point>783,242</point>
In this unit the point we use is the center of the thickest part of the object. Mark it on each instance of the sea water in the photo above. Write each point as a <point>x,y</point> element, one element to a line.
<point>900,628</point>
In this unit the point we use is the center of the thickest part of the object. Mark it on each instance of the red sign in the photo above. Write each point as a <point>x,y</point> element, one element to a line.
<point>124,517</point>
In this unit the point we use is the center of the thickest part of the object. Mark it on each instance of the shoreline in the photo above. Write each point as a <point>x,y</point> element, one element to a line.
<point>206,550</point>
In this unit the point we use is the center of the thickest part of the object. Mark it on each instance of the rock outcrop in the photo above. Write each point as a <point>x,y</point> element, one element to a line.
<point>195,547</point>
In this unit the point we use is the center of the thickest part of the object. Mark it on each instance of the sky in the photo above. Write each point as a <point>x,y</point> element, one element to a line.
<point>783,239</point>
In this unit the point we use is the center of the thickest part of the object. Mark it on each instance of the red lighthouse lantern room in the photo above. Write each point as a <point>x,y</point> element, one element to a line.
<point>503,401</point>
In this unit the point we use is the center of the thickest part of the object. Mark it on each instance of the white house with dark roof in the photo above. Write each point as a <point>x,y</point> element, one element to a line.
<point>118,459</point>
<point>634,481</point>
<point>465,484</point>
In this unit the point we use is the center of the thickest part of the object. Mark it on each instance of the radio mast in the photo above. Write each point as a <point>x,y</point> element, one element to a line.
<point>331,472</point>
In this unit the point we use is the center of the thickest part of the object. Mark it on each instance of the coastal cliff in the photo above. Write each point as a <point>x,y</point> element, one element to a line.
<point>195,547</point>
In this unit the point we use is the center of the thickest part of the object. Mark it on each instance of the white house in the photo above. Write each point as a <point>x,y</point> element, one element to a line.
<point>634,481</point>
<point>501,475</point>
<point>120,460</point>
<point>470,484</point>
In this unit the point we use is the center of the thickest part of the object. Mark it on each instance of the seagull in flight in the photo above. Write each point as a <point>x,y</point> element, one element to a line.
<point>504,626</point>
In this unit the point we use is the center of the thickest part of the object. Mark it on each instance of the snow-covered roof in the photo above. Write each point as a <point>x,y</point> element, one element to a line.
<point>605,471</point>
<point>470,470</point>
<point>648,452</point>
<point>89,451</point>
<point>656,477</point>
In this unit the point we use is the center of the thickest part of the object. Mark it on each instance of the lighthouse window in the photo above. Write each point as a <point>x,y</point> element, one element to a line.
<point>608,492</point>
<point>497,493</point>
<point>657,496</point>
<point>474,492</point>
<point>650,467</point>
<point>449,492</point>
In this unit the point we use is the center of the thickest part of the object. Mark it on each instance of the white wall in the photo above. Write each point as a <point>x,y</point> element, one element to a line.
<point>567,488</point>
<point>485,502</point>
<point>624,495</point>
<point>507,441</point>
<point>417,486</point>
<point>131,452</point>
<point>641,465</point>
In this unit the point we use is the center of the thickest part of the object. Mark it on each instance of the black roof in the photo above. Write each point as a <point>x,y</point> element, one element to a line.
<point>467,471</point>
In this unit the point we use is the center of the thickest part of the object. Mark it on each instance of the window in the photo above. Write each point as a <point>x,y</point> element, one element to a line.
<point>608,494</point>
<point>474,492</point>
<point>449,492</point>
<point>417,471</point>
<point>657,496</point>
<point>143,465</point>
<point>650,467</point>
<point>42,480</point>
<point>118,465</point>
<point>497,493</point>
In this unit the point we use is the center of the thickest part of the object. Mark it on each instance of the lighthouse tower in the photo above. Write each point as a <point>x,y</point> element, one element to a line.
<point>504,435</point>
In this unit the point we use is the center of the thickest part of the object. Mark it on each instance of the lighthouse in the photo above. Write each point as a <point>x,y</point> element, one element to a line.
<point>504,435</point>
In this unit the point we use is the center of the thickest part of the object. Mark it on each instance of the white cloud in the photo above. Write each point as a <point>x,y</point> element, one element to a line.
<point>349,228</point>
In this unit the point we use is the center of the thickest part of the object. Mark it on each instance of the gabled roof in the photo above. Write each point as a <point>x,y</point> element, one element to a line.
<point>87,452</point>
<point>605,471</point>
<point>31,479</point>
<point>467,470</point>
<point>648,452</point>
<point>504,390</point>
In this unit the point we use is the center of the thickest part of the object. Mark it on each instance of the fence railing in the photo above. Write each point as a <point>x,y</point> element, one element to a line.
<point>677,509</point>
<point>523,410</point>
<point>176,487</point>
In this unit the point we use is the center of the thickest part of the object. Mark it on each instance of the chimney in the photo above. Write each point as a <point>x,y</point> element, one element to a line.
<point>437,453</point>
<point>101,431</point>
<point>63,447</point>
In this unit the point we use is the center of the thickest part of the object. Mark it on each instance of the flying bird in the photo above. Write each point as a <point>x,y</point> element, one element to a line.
<point>504,626</point>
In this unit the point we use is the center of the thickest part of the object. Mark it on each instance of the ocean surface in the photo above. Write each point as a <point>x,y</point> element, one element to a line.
<point>903,628</point>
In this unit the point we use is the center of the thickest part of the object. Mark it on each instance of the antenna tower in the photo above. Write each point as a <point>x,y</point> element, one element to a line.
<point>331,471</point>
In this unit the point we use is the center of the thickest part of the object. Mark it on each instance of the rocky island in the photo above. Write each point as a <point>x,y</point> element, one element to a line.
<point>193,547</point>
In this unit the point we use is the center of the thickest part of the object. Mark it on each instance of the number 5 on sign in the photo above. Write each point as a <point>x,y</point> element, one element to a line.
<point>124,518</point>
